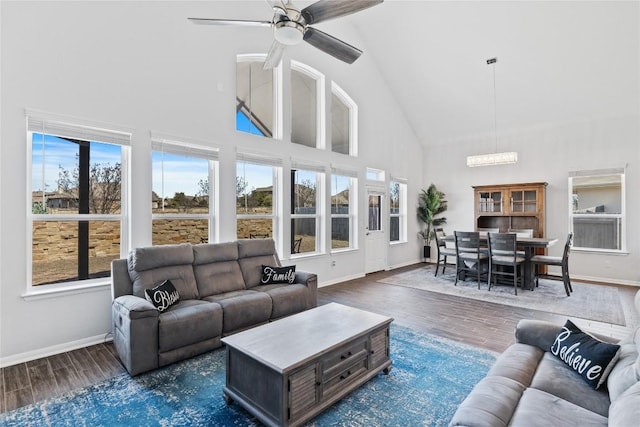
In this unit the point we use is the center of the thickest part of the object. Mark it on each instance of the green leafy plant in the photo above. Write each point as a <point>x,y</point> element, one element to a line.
<point>431,203</point>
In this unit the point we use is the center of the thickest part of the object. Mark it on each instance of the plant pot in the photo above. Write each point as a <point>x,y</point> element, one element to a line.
<point>426,251</point>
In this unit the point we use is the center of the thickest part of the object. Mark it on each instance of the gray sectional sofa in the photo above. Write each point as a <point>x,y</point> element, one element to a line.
<point>220,293</point>
<point>529,386</point>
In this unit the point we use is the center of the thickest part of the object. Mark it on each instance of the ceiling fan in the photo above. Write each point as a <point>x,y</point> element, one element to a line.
<point>291,26</point>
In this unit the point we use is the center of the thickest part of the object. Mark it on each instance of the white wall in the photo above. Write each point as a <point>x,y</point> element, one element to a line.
<point>141,65</point>
<point>547,154</point>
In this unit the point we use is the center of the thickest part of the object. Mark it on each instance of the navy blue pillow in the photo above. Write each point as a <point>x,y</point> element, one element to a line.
<point>271,275</point>
<point>588,356</point>
<point>162,296</point>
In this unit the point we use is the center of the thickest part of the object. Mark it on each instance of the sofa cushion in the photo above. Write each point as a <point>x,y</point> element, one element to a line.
<point>162,296</point>
<point>538,408</point>
<point>625,411</point>
<point>556,378</point>
<point>518,362</point>
<point>626,372</point>
<point>285,299</point>
<point>151,266</point>
<point>242,309</point>
<point>252,254</point>
<point>491,403</point>
<point>188,322</point>
<point>216,268</point>
<point>588,356</point>
<point>275,274</point>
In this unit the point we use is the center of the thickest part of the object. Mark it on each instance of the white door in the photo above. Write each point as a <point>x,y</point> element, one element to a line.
<point>375,237</point>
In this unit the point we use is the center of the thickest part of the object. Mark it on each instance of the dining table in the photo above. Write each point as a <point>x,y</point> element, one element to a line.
<point>529,245</point>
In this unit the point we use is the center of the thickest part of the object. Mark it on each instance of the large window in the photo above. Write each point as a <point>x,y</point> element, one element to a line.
<point>306,209</point>
<point>343,210</point>
<point>256,96</point>
<point>397,212</point>
<point>257,195</point>
<point>182,201</point>
<point>344,115</point>
<point>77,209</point>
<point>306,104</point>
<point>597,209</point>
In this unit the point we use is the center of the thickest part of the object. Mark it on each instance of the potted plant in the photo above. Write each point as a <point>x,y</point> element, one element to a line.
<point>431,203</point>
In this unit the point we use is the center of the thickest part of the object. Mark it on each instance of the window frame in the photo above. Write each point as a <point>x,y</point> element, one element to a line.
<point>276,214</point>
<point>85,130</point>
<point>402,211</point>
<point>352,107</point>
<point>352,215</point>
<point>621,217</point>
<point>277,99</point>
<point>319,79</point>
<point>180,147</point>
<point>320,209</point>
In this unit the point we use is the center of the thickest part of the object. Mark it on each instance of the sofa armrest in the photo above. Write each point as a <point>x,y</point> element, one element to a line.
<point>310,280</point>
<point>120,281</point>
<point>538,333</point>
<point>135,333</point>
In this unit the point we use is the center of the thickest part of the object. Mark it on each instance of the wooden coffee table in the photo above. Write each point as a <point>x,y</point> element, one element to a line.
<point>288,371</point>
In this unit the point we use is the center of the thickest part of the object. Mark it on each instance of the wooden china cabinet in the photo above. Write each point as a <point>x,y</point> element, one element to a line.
<point>511,206</point>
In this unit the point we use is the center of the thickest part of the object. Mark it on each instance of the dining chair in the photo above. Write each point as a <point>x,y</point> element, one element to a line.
<point>469,257</point>
<point>503,253</point>
<point>562,262</point>
<point>443,250</point>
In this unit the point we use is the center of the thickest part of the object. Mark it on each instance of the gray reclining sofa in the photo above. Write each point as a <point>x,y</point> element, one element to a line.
<point>220,293</point>
<point>529,386</point>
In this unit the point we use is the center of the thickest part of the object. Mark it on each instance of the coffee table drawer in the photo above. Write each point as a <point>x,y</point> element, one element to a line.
<point>336,362</point>
<point>349,374</point>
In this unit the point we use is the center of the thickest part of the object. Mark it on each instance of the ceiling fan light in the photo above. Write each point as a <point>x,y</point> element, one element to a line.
<point>288,33</point>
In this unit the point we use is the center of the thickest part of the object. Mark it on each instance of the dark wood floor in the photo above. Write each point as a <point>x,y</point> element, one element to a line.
<point>483,324</point>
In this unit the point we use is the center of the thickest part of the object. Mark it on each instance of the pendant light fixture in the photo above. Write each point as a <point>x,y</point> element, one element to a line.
<point>493,158</point>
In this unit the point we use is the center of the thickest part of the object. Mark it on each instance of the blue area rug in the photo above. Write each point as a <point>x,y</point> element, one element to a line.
<point>429,378</point>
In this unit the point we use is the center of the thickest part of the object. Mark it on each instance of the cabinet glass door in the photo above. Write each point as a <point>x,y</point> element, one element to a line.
<point>524,201</point>
<point>490,201</point>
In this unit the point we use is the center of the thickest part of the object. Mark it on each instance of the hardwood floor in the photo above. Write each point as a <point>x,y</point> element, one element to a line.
<point>483,324</point>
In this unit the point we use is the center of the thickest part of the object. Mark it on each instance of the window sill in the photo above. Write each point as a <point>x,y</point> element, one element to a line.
<point>56,291</point>
<point>599,251</point>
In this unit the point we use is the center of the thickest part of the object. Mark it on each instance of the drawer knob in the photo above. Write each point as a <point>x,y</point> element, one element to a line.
<point>345,356</point>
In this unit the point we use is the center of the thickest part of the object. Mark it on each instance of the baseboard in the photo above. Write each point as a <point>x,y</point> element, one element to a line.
<point>606,280</point>
<point>340,280</point>
<point>55,349</point>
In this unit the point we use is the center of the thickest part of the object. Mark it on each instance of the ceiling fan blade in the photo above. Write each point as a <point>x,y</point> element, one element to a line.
<point>331,45</point>
<point>329,9</point>
<point>212,21</point>
<point>274,56</point>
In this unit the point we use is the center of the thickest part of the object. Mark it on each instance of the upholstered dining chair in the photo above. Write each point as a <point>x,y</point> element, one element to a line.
<point>502,252</point>
<point>469,257</point>
<point>443,250</point>
<point>562,262</point>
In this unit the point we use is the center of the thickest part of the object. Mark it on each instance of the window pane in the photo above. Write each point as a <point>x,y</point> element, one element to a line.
<point>596,210</point>
<point>180,184</point>
<point>254,99</point>
<point>254,228</point>
<point>303,109</point>
<point>172,231</point>
<point>340,194</point>
<point>374,221</point>
<point>304,235</point>
<point>340,126</point>
<point>55,253</point>
<point>254,189</point>
<point>340,233</point>
<point>303,197</point>
<point>394,198</point>
<point>394,233</point>
<point>70,176</point>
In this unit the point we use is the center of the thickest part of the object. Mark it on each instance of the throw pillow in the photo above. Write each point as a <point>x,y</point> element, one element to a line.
<point>271,275</point>
<point>162,296</point>
<point>585,354</point>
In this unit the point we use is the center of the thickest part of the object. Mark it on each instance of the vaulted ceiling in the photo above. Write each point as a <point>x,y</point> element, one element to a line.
<point>558,61</point>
